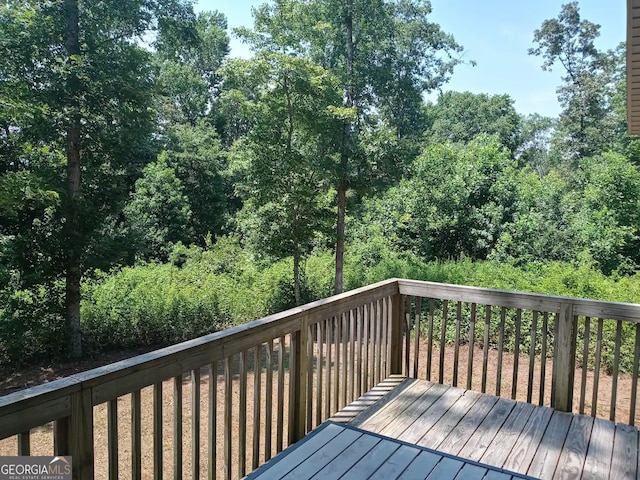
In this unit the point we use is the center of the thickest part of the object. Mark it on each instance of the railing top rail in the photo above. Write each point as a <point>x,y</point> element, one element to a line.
<point>122,377</point>
<point>532,301</point>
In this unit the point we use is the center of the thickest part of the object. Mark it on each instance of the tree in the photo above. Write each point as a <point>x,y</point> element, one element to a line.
<point>460,116</point>
<point>291,109</point>
<point>76,81</point>
<point>586,125</point>
<point>385,54</point>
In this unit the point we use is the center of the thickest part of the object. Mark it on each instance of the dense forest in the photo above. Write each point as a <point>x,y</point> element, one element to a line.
<point>152,188</point>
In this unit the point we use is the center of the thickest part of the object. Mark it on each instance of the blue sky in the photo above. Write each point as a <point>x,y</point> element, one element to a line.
<point>496,35</point>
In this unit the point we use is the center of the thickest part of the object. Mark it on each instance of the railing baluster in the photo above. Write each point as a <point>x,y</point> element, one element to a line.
<point>585,364</point>
<point>242,417</point>
<point>195,424</point>
<point>634,378</point>
<point>136,435</point>
<point>596,368</point>
<point>614,374</point>
<point>336,365</point>
<point>327,399</point>
<point>268,408</point>
<point>503,314</point>
<point>372,345</point>
<point>430,337</point>
<point>257,391</point>
<point>472,337</point>
<point>516,354</point>
<point>485,347</point>
<point>378,341</point>
<point>456,344</point>
<point>112,442</point>
<point>385,324</point>
<point>24,446</point>
<point>543,358</point>
<point>443,339</point>
<point>532,355</point>
<point>212,439</point>
<point>416,348</point>
<point>177,427</point>
<point>360,326</point>
<point>319,378</point>
<point>228,417</point>
<point>345,359</point>
<point>407,334</point>
<point>352,339</point>
<point>280,419</point>
<point>157,431</point>
<point>309,372</point>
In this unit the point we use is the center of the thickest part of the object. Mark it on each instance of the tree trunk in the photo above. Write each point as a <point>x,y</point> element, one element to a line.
<point>346,149</point>
<point>71,227</point>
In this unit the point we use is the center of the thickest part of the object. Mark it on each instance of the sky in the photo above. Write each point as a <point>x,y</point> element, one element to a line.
<point>496,34</point>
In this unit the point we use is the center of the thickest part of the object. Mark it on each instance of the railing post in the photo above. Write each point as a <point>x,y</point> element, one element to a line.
<point>395,337</point>
<point>564,359</point>
<point>73,435</point>
<point>298,383</point>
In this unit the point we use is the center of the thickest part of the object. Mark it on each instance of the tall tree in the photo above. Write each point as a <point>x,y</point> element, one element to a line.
<point>77,82</point>
<point>381,51</point>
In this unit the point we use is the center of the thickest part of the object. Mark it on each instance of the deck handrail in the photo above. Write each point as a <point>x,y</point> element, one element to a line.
<point>354,339</point>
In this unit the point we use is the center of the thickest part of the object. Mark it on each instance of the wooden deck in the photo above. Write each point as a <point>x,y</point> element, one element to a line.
<point>520,437</point>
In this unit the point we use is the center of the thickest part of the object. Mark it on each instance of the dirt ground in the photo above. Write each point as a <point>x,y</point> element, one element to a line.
<point>42,438</point>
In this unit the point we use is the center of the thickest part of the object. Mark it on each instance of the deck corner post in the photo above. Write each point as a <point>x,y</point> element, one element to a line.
<point>395,337</point>
<point>298,383</point>
<point>564,359</point>
<point>73,435</point>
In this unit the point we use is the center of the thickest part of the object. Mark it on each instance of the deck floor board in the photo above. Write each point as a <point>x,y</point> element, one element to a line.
<point>518,437</point>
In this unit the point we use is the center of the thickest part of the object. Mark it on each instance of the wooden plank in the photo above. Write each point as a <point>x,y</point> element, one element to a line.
<point>323,455</point>
<point>443,339</point>
<point>34,416</point>
<point>352,355</point>
<point>347,458</point>
<point>525,447</point>
<point>378,375</point>
<point>136,436</point>
<point>112,442</point>
<point>228,417</point>
<point>195,424</point>
<point>459,436</point>
<point>563,359</point>
<point>401,424</point>
<point>546,457</point>
<point>396,463</point>
<point>320,366</point>
<point>308,366</point>
<point>345,359</point>
<point>449,420</point>
<point>268,408</point>
<point>177,427</point>
<point>374,400</point>
<point>543,358</point>
<point>508,434</point>
<point>614,373</point>
<point>370,462</point>
<point>299,455</point>
<point>446,469</point>
<point>596,369</point>
<point>598,461</point>
<point>532,355</point>
<point>157,431</point>
<point>585,364</point>
<point>336,365</point>
<point>387,413</point>
<point>574,450</point>
<point>416,346</point>
<point>328,364</point>
<point>471,472</point>
<point>516,354</point>
<point>360,362</point>
<point>436,409</point>
<point>485,347</point>
<point>495,475</point>
<point>365,339</point>
<point>242,417</point>
<point>24,446</point>
<point>212,431</point>
<point>484,434</point>
<point>280,407</point>
<point>456,344</point>
<point>407,335</point>
<point>421,466</point>
<point>257,404</point>
<point>624,463</point>
<point>634,378</point>
<point>503,313</point>
<point>430,337</point>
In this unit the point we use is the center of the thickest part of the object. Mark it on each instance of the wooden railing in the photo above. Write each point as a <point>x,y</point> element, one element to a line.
<point>220,405</point>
